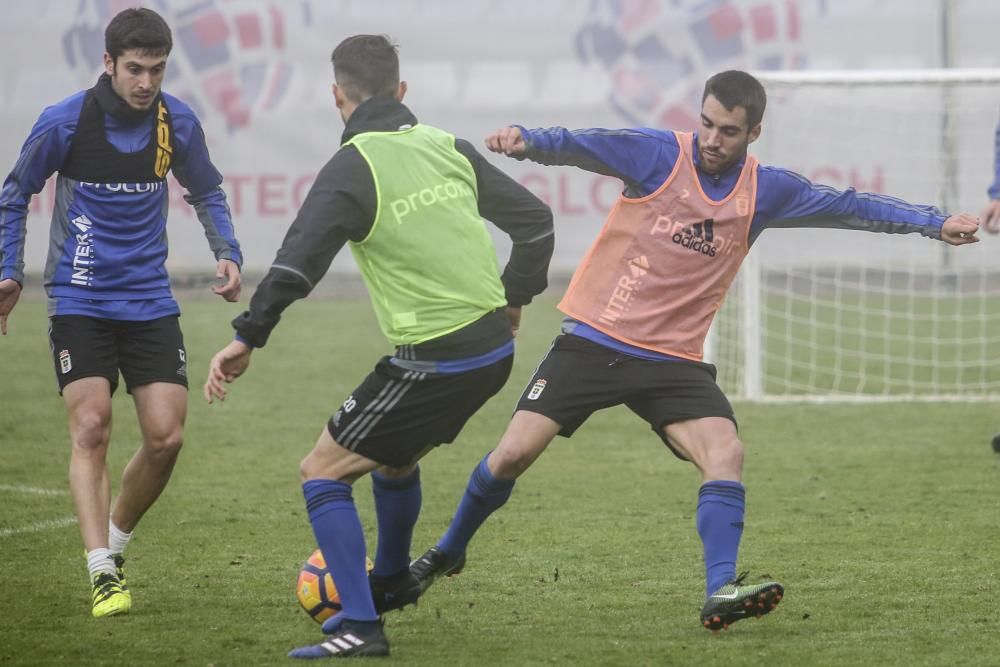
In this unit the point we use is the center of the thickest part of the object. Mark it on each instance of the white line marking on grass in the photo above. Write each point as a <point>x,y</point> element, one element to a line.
<point>34,490</point>
<point>38,526</point>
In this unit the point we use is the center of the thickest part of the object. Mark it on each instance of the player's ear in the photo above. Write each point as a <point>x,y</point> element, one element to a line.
<point>338,95</point>
<point>754,134</point>
<point>109,64</point>
<point>400,91</point>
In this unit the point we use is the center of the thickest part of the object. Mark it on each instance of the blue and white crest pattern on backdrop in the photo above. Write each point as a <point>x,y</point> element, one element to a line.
<point>659,54</point>
<point>230,58</point>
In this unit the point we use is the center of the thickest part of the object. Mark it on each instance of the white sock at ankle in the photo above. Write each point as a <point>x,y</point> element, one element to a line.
<point>99,562</point>
<point>117,540</point>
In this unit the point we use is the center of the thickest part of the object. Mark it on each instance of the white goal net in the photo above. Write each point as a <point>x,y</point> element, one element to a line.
<point>833,315</point>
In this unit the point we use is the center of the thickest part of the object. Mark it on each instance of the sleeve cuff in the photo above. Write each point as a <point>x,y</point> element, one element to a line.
<point>10,274</point>
<point>244,341</point>
<point>518,300</point>
<point>529,144</point>
<point>937,222</point>
<point>233,256</point>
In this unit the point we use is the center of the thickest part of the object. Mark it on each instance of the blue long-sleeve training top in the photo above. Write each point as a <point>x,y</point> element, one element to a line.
<point>994,189</point>
<point>108,243</point>
<point>643,158</point>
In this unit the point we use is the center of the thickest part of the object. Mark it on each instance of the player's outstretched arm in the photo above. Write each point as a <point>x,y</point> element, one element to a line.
<point>991,216</point>
<point>10,292</point>
<point>960,229</point>
<point>228,271</point>
<point>507,140</point>
<point>228,364</point>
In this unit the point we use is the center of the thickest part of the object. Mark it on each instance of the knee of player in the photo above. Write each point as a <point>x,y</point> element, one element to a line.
<point>728,450</point>
<point>313,466</point>
<point>91,430</point>
<point>508,462</point>
<point>168,443</point>
<point>306,470</point>
<point>394,473</point>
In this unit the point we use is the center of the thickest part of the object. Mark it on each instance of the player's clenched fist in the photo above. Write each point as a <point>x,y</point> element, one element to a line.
<point>507,141</point>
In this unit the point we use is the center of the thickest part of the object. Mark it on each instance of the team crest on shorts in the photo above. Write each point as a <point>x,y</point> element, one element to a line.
<point>536,389</point>
<point>183,370</point>
<point>65,362</point>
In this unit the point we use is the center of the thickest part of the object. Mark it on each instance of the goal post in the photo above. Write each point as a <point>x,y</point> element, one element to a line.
<point>851,316</point>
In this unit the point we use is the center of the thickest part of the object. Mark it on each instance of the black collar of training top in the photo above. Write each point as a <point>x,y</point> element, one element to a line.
<point>377,114</point>
<point>113,105</point>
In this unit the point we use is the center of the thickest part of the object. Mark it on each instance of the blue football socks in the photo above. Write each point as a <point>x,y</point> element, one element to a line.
<point>339,534</point>
<point>397,506</point>
<point>484,495</point>
<point>721,505</point>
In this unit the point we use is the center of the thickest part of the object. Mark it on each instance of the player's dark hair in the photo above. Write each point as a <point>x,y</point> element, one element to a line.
<point>366,66</point>
<point>734,88</point>
<point>140,29</point>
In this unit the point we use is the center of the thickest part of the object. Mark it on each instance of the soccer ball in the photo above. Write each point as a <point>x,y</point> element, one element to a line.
<point>315,590</point>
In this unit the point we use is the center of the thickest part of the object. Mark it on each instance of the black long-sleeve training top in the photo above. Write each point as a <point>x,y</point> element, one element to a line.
<point>341,207</point>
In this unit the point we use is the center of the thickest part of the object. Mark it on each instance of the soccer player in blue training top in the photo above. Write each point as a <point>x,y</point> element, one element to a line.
<point>991,218</point>
<point>110,304</point>
<point>640,305</point>
<point>991,214</point>
<point>410,200</point>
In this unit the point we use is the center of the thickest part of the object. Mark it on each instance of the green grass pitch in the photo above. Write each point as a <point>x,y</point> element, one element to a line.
<point>882,522</point>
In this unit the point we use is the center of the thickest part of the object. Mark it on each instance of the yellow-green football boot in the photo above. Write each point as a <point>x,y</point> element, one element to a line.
<point>120,569</point>
<point>108,597</point>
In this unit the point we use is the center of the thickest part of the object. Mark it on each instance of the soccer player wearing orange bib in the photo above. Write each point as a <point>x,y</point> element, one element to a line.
<point>641,302</point>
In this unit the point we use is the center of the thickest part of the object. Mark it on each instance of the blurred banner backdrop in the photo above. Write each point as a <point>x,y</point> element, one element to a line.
<point>258,74</point>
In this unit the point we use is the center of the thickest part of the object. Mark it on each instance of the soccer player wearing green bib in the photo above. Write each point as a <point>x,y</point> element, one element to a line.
<point>410,200</point>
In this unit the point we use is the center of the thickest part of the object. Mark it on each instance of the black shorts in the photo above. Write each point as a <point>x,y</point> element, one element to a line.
<point>578,377</point>
<point>395,414</point>
<point>144,352</point>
